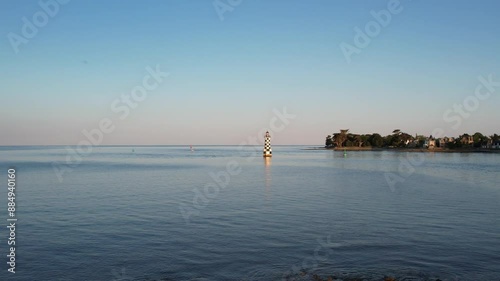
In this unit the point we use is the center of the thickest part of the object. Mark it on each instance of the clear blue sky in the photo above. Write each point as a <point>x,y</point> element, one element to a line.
<point>226,77</point>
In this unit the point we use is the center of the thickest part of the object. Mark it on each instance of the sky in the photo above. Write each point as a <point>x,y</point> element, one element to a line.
<point>232,64</point>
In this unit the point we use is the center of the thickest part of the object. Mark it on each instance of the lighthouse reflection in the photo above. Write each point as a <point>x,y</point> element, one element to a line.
<point>267,175</point>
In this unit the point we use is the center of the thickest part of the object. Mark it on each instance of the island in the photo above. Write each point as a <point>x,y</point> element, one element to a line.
<point>401,141</point>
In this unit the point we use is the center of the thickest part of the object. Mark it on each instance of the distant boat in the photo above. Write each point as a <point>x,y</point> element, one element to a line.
<point>191,148</point>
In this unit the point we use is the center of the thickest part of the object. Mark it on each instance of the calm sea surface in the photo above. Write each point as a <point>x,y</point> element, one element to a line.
<point>166,213</point>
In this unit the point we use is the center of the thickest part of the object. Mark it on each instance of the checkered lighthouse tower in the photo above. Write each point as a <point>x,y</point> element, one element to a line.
<point>268,152</point>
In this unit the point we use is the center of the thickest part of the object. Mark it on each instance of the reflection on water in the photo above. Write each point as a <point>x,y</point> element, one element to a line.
<point>267,176</point>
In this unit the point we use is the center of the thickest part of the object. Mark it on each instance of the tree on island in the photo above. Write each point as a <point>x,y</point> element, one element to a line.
<point>399,139</point>
<point>358,139</point>
<point>376,140</point>
<point>479,139</point>
<point>394,139</point>
<point>494,139</point>
<point>406,138</point>
<point>329,141</point>
<point>364,140</point>
<point>340,138</point>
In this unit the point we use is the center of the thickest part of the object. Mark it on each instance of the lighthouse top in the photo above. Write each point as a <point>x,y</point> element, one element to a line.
<point>268,135</point>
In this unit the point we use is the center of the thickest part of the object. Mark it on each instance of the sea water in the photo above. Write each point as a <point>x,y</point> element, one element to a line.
<point>226,213</point>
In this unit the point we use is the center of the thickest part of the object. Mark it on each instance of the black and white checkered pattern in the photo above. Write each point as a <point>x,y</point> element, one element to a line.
<point>268,152</point>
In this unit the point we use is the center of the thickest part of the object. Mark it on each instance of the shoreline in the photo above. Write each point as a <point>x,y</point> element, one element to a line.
<point>440,150</point>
